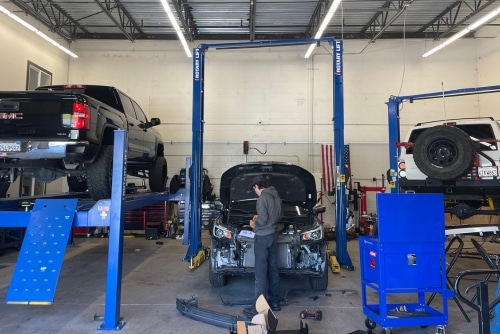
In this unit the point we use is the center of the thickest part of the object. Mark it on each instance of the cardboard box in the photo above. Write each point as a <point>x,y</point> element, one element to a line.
<point>264,322</point>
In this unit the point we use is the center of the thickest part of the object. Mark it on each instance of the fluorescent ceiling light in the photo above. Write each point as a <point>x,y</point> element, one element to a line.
<point>465,31</point>
<point>36,31</point>
<point>173,20</point>
<point>323,25</point>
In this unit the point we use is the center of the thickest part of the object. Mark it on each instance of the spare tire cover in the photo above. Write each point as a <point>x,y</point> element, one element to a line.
<point>444,152</point>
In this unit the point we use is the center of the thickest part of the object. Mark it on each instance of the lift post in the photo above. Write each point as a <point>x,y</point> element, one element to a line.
<point>197,138</point>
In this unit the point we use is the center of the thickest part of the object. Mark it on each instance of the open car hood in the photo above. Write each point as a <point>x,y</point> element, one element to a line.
<point>294,184</point>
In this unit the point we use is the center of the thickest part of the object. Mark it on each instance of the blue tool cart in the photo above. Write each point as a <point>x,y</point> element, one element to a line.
<point>404,263</point>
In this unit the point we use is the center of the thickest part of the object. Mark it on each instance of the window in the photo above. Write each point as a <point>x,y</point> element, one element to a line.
<point>37,76</point>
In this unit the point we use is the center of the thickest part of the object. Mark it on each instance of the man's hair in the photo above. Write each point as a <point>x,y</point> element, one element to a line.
<point>262,184</point>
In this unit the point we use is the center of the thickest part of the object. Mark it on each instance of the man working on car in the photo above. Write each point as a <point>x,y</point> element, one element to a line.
<point>269,212</point>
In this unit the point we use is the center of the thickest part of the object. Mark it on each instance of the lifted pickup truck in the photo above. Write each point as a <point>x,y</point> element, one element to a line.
<point>456,157</point>
<point>67,131</point>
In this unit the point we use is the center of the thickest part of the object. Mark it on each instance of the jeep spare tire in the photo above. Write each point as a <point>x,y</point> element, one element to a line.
<point>444,152</point>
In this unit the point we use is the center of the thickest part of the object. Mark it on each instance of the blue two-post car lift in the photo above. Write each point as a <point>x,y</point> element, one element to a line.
<point>338,129</point>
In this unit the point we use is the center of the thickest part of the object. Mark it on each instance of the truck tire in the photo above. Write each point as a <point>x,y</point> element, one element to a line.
<point>158,175</point>
<point>444,152</point>
<point>77,183</point>
<point>99,174</point>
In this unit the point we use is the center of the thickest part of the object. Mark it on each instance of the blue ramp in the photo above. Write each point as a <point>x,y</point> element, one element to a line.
<point>39,262</point>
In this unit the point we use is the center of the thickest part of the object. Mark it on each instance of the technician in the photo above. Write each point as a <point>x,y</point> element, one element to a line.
<point>269,212</point>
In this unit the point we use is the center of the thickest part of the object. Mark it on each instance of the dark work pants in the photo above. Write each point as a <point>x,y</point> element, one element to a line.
<point>267,278</point>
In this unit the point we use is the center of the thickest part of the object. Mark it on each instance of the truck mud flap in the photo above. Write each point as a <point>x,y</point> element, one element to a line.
<point>190,309</point>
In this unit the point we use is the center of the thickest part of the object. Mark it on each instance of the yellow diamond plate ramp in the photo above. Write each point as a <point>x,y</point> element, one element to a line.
<point>39,262</point>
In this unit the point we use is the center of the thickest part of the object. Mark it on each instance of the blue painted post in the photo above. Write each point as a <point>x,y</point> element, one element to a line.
<point>187,206</point>
<point>196,171</point>
<point>394,137</point>
<point>338,134</point>
<point>115,246</point>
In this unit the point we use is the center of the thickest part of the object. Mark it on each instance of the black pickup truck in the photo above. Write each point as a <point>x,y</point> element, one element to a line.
<point>68,131</point>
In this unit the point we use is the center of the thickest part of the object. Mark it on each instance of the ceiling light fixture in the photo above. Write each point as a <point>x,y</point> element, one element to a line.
<point>323,25</point>
<point>36,31</point>
<point>177,28</point>
<point>464,32</point>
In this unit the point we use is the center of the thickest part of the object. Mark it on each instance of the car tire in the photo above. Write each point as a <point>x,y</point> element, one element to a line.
<point>216,280</point>
<point>444,152</point>
<point>320,283</point>
<point>99,174</point>
<point>158,175</point>
<point>77,183</point>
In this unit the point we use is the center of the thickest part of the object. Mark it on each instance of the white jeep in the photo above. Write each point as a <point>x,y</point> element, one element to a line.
<point>456,157</point>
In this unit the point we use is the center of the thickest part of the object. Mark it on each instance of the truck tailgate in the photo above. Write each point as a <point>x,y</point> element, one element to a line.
<point>35,117</point>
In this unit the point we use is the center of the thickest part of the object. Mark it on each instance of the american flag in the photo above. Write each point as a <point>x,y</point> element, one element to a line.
<point>327,166</point>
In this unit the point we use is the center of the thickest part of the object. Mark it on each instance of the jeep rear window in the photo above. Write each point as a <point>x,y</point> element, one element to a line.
<point>480,132</point>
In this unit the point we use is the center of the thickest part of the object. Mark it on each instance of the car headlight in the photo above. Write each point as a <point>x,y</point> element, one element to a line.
<point>222,232</point>
<point>312,235</point>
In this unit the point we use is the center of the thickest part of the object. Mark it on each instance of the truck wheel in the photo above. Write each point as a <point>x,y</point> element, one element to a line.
<point>444,152</point>
<point>77,183</point>
<point>158,175</point>
<point>320,283</point>
<point>99,174</point>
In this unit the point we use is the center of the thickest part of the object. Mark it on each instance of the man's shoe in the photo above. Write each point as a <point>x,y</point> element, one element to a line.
<point>275,307</point>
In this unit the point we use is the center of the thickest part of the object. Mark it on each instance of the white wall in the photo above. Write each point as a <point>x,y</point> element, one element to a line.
<point>18,45</point>
<point>282,103</point>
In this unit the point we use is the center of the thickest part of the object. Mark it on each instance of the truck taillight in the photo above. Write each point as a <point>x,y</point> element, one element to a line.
<point>80,119</point>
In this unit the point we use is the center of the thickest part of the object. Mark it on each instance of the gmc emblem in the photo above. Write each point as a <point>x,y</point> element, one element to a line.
<point>11,115</point>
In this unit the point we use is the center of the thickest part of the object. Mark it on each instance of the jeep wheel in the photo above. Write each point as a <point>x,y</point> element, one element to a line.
<point>444,152</point>
<point>320,283</point>
<point>158,175</point>
<point>99,174</point>
<point>77,183</point>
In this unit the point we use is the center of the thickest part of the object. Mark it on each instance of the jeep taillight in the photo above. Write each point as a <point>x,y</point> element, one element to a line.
<point>402,169</point>
<point>80,119</point>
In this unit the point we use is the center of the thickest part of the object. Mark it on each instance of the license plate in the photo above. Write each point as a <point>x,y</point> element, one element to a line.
<point>487,171</point>
<point>10,146</point>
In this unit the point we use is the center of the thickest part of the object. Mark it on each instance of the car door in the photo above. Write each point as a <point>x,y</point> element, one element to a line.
<point>149,134</point>
<point>135,133</point>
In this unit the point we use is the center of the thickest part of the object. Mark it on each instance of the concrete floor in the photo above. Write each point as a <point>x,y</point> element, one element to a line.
<point>154,275</point>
